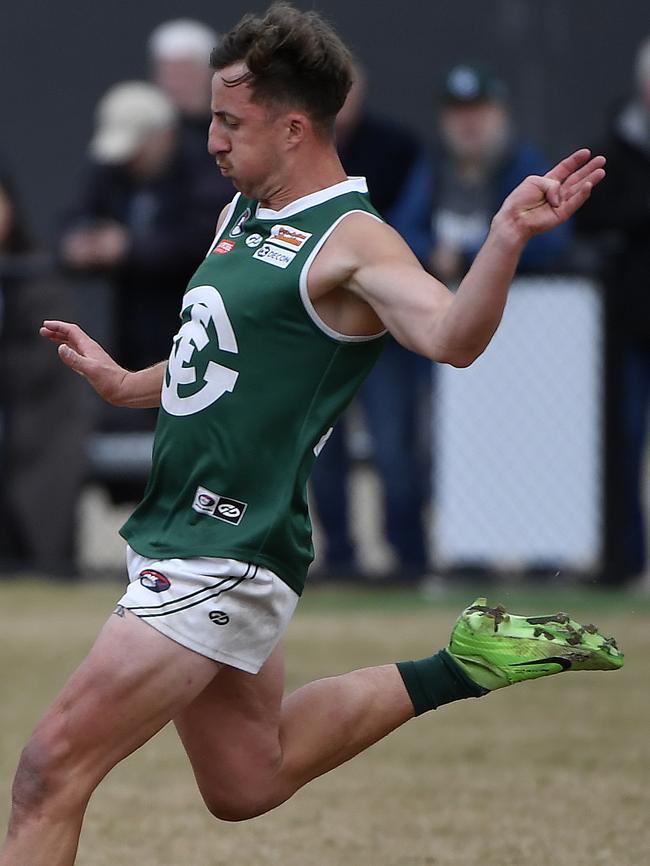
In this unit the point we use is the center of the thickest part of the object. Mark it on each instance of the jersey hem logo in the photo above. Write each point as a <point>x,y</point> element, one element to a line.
<point>217,506</point>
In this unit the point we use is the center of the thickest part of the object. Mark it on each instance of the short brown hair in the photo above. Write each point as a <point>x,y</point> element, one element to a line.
<point>293,58</point>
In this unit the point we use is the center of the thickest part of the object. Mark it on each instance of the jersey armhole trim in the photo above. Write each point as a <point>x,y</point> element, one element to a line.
<point>304,292</point>
<point>227,218</point>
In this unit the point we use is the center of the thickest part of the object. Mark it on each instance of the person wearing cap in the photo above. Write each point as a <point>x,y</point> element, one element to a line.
<point>618,224</point>
<point>179,52</point>
<point>479,159</point>
<point>393,396</point>
<point>143,218</point>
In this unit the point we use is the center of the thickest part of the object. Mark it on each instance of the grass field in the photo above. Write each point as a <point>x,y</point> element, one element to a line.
<point>550,773</point>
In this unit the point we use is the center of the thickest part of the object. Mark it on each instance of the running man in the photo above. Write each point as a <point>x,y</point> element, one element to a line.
<point>280,324</point>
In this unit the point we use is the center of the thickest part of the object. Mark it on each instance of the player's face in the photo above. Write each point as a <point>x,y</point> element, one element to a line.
<point>245,138</point>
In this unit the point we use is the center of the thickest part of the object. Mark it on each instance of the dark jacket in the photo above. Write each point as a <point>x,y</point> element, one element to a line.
<point>171,222</point>
<point>45,417</point>
<point>617,218</point>
<point>384,153</point>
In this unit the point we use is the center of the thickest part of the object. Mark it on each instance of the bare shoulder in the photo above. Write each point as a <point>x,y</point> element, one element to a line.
<point>358,240</point>
<point>365,236</point>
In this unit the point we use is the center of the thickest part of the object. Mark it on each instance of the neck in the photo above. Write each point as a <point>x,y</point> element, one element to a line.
<point>306,174</point>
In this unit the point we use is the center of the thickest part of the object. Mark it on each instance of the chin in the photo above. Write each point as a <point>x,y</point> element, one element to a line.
<point>246,189</point>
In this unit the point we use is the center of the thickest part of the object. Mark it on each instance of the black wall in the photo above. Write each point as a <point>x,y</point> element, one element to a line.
<point>565,61</point>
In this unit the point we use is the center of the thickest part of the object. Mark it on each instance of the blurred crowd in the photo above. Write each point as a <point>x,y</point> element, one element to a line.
<point>143,216</point>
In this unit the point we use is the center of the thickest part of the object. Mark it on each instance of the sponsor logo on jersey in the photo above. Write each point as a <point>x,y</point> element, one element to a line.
<point>224,247</point>
<point>254,240</point>
<point>288,237</point>
<point>217,506</point>
<point>238,228</point>
<point>219,617</point>
<point>273,256</point>
<point>154,580</point>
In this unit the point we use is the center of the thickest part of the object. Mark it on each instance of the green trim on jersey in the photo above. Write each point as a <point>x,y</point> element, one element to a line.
<point>255,381</point>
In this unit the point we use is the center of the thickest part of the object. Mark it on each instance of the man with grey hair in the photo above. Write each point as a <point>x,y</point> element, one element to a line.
<point>619,215</point>
<point>179,52</point>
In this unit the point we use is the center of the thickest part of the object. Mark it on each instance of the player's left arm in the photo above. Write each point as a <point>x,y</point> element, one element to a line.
<point>456,328</point>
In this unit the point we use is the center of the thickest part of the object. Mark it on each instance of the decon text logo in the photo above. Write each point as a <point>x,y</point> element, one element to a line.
<point>274,256</point>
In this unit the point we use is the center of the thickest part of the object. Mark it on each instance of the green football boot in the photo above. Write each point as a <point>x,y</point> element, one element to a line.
<point>498,649</point>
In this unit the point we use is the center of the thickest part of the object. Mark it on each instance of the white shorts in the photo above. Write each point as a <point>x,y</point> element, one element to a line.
<point>230,611</point>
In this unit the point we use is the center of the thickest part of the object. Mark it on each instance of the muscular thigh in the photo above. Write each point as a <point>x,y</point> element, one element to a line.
<point>231,729</point>
<point>133,681</point>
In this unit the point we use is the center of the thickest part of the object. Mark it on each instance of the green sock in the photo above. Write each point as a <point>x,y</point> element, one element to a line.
<point>437,680</point>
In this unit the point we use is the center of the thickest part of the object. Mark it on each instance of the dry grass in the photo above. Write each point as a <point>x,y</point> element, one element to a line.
<point>552,772</point>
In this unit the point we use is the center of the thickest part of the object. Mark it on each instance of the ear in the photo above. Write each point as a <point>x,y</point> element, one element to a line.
<point>298,127</point>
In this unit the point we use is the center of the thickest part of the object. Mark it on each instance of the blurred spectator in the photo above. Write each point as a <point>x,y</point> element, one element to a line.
<point>179,53</point>
<point>478,161</point>
<point>143,219</point>
<point>43,412</point>
<point>393,398</point>
<point>618,216</point>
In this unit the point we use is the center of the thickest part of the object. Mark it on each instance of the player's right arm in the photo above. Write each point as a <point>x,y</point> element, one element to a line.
<point>118,386</point>
<point>115,384</point>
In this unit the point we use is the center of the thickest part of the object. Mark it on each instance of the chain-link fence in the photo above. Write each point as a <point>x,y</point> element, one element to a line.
<point>518,438</point>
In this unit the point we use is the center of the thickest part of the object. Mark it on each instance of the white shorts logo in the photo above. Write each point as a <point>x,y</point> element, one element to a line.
<point>273,256</point>
<point>205,305</point>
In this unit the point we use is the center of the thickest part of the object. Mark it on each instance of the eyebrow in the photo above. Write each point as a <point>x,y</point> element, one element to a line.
<point>224,114</point>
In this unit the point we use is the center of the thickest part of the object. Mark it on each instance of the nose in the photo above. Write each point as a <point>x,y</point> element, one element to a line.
<point>217,140</point>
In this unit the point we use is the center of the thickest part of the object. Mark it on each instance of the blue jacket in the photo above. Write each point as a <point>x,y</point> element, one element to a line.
<point>412,215</point>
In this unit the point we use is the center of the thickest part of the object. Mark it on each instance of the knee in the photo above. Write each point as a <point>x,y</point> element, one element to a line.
<point>240,806</point>
<point>45,777</point>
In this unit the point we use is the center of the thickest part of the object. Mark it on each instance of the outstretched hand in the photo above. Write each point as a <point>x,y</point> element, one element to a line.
<point>539,204</point>
<point>86,357</point>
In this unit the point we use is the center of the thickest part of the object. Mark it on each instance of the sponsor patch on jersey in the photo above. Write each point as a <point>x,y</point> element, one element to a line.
<point>217,506</point>
<point>273,256</point>
<point>288,237</point>
<point>224,246</point>
<point>238,228</point>
<point>154,580</point>
<point>254,240</point>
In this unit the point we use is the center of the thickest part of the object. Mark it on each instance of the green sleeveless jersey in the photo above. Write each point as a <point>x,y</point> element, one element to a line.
<point>254,382</point>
